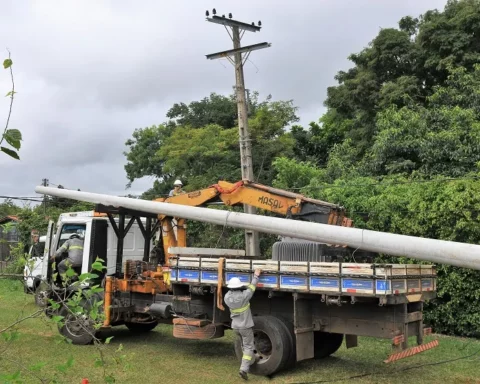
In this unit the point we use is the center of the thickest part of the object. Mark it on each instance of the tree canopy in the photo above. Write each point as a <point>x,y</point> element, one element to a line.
<point>201,146</point>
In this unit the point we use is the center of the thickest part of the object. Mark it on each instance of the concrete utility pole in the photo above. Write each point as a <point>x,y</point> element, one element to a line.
<point>240,56</point>
<point>45,184</point>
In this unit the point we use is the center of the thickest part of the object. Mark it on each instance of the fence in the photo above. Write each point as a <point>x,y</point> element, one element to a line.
<point>7,241</point>
<point>3,266</point>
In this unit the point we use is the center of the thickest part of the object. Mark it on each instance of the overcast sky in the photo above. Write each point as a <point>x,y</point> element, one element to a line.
<point>89,72</point>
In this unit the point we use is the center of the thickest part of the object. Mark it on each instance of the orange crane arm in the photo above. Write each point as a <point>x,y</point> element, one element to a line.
<point>289,204</point>
<point>275,200</point>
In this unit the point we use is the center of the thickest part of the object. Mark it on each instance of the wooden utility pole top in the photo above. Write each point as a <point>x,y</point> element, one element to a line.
<point>240,56</point>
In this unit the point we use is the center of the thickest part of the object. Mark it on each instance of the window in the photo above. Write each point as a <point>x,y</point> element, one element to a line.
<point>38,249</point>
<point>68,230</point>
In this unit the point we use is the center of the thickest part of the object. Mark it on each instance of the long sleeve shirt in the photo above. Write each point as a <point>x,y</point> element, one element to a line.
<point>74,247</point>
<point>239,304</point>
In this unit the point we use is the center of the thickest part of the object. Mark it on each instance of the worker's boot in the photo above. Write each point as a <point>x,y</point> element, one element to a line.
<point>243,375</point>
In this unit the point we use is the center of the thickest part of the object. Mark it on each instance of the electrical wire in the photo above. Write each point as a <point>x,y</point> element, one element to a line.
<point>223,229</point>
<point>393,372</point>
<point>24,198</point>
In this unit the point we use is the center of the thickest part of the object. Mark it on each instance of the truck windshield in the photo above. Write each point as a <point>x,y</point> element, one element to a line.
<point>70,229</point>
<point>37,249</point>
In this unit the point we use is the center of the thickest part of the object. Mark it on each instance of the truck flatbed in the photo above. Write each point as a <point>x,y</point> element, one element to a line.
<point>387,282</point>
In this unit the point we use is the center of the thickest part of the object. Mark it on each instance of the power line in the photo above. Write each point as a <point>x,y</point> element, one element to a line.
<point>393,372</point>
<point>35,199</point>
<point>20,197</point>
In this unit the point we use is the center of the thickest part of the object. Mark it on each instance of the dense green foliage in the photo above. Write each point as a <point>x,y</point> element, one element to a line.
<point>200,143</point>
<point>8,208</point>
<point>399,146</point>
<point>403,145</point>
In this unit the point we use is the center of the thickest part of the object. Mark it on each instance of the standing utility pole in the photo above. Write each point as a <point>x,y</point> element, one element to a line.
<point>45,184</point>
<point>240,56</point>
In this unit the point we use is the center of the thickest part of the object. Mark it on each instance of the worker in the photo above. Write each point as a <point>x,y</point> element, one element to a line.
<point>74,247</point>
<point>238,300</point>
<point>177,188</point>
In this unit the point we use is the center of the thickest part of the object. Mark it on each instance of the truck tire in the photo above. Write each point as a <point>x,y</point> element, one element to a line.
<point>141,327</point>
<point>77,328</point>
<point>272,346</point>
<point>292,359</point>
<point>41,295</point>
<point>326,343</point>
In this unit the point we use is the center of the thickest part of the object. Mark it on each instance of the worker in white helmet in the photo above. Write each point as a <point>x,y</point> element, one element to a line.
<point>238,300</point>
<point>177,188</point>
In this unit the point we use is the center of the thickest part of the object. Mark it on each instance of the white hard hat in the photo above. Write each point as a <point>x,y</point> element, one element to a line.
<point>235,282</point>
<point>178,182</point>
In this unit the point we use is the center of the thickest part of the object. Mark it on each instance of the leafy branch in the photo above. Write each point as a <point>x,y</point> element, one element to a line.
<point>11,136</point>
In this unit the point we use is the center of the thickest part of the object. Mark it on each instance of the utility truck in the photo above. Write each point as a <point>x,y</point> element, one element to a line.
<point>308,300</point>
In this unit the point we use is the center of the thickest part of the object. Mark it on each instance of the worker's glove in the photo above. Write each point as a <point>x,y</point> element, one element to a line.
<point>258,272</point>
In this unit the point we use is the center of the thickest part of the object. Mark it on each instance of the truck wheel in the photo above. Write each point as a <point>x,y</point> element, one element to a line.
<point>141,327</point>
<point>78,328</point>
<point>41,295</point>
<point>326,343</point>
<point>272,346</point>
<point>292,359</point>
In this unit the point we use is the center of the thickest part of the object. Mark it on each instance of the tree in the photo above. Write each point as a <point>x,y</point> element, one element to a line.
<point>438,139</point>
<point>142,156</point>
<point>8,208</point>
<point>402,67</point>
<point>201,155</point>
<point>215,109</point>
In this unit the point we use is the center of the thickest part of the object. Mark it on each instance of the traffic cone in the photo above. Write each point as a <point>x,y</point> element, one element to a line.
<point>85,381</point>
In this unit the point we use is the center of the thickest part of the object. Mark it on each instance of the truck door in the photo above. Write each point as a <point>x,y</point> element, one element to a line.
<point>98,243</point>
<point>64,231</point>
<point>47,250</point>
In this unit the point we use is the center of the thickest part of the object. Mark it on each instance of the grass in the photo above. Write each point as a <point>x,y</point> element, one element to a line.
<point>157,357</point>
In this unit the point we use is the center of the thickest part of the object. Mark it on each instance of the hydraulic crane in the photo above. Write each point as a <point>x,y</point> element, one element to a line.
<point>278,201</point>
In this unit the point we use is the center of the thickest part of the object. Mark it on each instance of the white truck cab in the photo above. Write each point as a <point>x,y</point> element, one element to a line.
<point>32,272</point>
<point>100,240</point>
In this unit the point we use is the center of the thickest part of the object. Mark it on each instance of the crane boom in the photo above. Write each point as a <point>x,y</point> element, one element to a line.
<point>289,204</point>
<point>437,251</point>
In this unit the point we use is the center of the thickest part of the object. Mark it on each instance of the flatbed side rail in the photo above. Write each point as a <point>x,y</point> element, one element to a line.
<point>417,282</point>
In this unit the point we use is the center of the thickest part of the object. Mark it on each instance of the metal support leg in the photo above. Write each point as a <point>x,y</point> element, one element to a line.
<point>147,238</point>
<point>303,321</point>
<point>120,237</point>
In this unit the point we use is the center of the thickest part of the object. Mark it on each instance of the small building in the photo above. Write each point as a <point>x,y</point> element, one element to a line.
<point>9,236</point>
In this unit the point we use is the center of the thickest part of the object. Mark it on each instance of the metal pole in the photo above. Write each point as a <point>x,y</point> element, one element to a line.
<point>120,237</point>
<point>148,239</point>
<point>252,239</point>
<point>437,251</point>
<point>45,183</point>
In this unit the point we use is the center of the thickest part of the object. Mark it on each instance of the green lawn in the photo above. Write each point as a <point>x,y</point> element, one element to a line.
<point>157,357</point>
